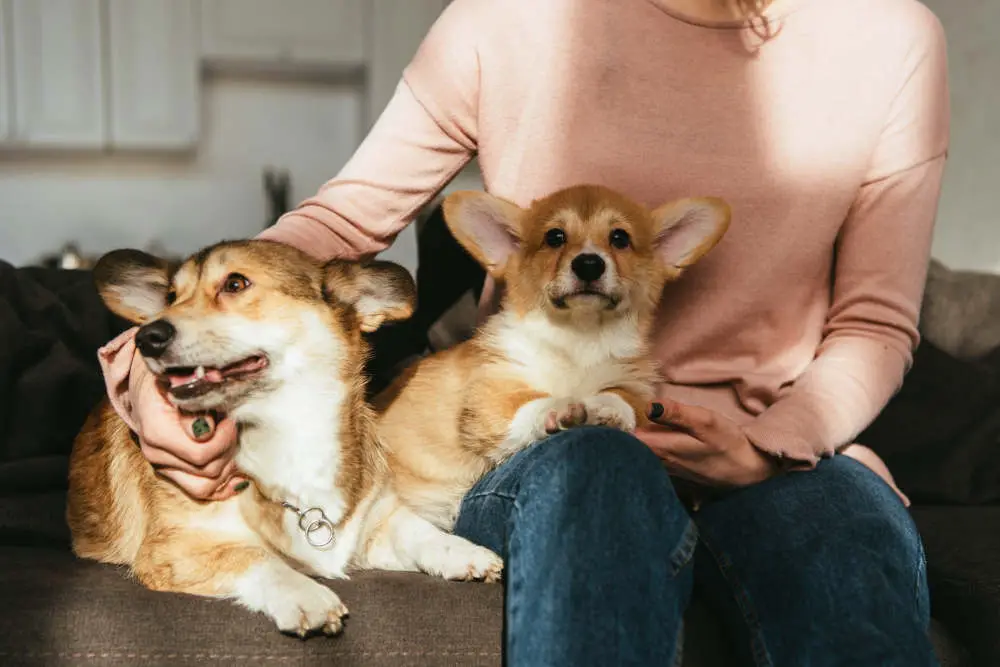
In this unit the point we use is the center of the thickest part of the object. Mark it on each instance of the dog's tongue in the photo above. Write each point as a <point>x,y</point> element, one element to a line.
<point>178,379</point>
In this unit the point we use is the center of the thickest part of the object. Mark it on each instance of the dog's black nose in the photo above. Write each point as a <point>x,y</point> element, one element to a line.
<point>153,338</point>
<point>588,267</point>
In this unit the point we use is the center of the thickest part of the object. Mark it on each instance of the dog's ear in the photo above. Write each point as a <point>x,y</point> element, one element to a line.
<point>133,284</point>
<point>688,228</point>
<point>486,226</point>
<point>378,291</point>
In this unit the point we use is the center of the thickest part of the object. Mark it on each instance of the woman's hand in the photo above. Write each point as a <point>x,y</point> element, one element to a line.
<point>704,446</point>
<point>193,451</point>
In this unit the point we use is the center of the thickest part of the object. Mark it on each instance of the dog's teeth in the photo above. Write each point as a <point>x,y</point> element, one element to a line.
<point>199,372</point>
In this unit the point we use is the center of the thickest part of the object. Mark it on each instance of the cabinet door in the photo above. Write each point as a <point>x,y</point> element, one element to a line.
<point>58,73</point>
<point>6,92</point>
<point>318,32</point>
<point>154,86</point>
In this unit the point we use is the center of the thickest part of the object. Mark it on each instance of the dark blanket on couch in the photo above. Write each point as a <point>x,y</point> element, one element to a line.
<point>940,435</point>
<point>51,324</point>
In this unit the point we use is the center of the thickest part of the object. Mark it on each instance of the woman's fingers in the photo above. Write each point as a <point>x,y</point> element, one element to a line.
<point>200,428</point>
<point>188,442</point>
<point>236,484</point>
<point>201,488</point>
<point>699,422</point>
<point>227,484</point>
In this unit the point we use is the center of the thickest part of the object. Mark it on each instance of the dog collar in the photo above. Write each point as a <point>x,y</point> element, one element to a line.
<point>314,524</point>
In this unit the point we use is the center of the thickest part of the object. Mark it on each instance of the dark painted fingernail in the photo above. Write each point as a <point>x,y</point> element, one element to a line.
<point>200,428</point>
<point>242,486</point>
<point>656,411</point>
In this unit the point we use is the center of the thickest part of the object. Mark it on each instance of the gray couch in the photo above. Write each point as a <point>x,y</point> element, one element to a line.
<point>60,611</point>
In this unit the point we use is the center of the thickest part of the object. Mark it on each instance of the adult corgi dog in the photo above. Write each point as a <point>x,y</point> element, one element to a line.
<point>582,271</point>
<point>262,332</point>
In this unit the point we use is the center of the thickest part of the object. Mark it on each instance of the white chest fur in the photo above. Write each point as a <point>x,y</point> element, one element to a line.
<point>291,447</point>
<point>571,361</point>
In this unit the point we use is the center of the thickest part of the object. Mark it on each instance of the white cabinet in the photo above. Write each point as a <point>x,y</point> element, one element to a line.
<point>290,32</point>
<point>126,74</point>
<point>6,97</point>
<point>154,74</point>
<point>57,68</point>
<point>99,74</point>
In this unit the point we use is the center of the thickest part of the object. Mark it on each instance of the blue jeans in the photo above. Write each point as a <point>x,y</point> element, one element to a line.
<point>808,569</point>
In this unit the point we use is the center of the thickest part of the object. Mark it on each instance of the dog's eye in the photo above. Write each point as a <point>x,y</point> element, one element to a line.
<point>555,238</point>
<point>620,239</point>
<point>235,282</point>
<point>171,297</point>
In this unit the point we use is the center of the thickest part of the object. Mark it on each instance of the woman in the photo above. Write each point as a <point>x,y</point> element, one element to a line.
<point>824,123</point>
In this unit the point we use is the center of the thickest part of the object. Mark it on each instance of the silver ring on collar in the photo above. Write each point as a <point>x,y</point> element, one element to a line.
<point>315,525</point>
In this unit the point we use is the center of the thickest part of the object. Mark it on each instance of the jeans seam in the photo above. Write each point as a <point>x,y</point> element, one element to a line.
<point>494,494</point>
<point>683,553</point>
<point>513,585</point>
<point>920,582</point>
<point>678,660</point>
<point>758,650</point>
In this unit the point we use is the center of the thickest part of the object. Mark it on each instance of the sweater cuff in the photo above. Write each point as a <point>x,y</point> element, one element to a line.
<point>793,451</point>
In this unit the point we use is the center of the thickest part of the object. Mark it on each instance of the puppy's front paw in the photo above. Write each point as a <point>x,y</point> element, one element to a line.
<point>607,409</point>
<point>305,607</point>
<point>456,559</point>
<point>564,414</point>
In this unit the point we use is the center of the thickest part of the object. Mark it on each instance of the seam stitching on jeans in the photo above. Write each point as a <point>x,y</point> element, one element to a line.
<point>495,494</point>
<point>511,581</point>
<point>757,648</point>
<point>679,653</point>
<point>683,553</point>
<point>921,579</point>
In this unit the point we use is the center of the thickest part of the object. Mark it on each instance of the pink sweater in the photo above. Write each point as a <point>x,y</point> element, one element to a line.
<point>829,141</point>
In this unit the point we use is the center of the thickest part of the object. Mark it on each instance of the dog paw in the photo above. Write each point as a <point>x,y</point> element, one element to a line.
<point>308,607</point>
<point>607,409</point>
<point>564,414</point>
<point>456,559</point>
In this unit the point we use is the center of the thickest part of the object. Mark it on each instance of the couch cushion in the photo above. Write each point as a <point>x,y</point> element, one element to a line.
<point>58,610</point>
<point>961,311</point>
<point>74,612</point>
<point>939,434</point>
<point>963,564</point>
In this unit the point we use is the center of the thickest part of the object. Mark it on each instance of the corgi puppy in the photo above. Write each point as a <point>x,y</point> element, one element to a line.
<point>582,271</point>
<point>262,332</point>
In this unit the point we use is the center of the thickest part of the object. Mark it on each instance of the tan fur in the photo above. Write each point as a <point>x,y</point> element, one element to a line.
<point>452,416</point>
<point>120,511</point>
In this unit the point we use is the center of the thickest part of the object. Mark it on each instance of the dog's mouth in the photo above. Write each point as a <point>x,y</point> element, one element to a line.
<point>186,382</point>
<point>562,302</point>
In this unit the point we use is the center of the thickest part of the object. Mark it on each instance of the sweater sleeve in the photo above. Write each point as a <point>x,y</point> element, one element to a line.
<point>426,134</point>
<point>881,259</point>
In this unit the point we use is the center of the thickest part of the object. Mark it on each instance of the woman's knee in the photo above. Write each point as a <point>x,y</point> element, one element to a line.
<point>859,497</point>
<point>564,473</point>
<point>838,523</point>
<point>876,530</point>
<point>605,487</point>
<point>600,458</point>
